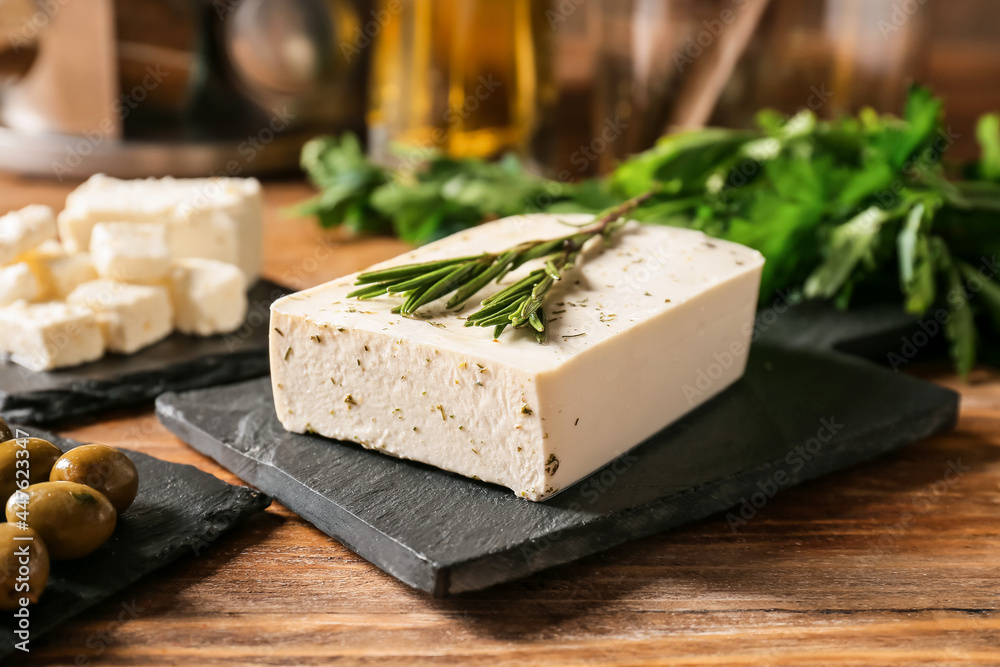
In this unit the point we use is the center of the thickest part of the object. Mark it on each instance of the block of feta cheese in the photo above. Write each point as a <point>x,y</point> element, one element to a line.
<point>130,252</point>
<point>24,230</point>
<point>45,336</point>
<point>18,283</point>
<point>213,218</point>
<point>131,316</point>
<point>640,334</point>
<point>209,297</point>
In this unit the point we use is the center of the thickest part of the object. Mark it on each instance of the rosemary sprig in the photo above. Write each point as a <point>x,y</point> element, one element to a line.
<point>518,305</point>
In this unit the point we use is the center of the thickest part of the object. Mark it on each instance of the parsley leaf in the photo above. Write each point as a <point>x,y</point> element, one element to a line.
<point>988,135</point>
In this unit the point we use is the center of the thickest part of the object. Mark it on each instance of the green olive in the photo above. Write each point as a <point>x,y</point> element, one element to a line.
<point>73,519</point>
<point>25,461</point>
<point>24,565</point>
<point>5,432</point>
<point>101,467</point>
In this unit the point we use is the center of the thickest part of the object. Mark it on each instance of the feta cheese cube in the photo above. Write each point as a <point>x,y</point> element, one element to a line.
<point>64,272</point>
<point>209,297</point>
<point>130,252</point>
<point>18,283</point>
<point>131,316</point>
<point>24,230</point>
<point>213,218</point>
<point>640,334</point>
<point>58,271</point>
<point>44,336</point>
<point>47,249</point>
<point>207,234</point>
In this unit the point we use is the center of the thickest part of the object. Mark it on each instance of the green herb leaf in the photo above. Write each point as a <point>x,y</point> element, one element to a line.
<point>960,327</point>
<point>916,264</point>
<point>987,292</point>
<point>346,180</point>
<point>988,135</point>
<point>849,243</point>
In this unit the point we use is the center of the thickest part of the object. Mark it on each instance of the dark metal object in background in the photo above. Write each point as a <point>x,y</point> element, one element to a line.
<point>281,48</point>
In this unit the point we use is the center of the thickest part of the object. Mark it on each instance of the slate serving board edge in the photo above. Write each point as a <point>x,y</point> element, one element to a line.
<point>688,506</point>
<point>83,399</point>
<point>400,561</point>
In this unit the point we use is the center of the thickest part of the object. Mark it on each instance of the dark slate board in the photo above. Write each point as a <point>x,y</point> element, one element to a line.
<point>180,510</point>
<point>177,363</point>
<point>448,534</point>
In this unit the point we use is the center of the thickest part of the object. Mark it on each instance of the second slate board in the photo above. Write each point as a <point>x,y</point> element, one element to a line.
<point>179,511</point>
<point>802,410</point>
<point>177,363</point>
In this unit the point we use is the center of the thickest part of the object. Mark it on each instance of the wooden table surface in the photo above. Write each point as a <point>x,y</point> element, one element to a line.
<point>896,562</point>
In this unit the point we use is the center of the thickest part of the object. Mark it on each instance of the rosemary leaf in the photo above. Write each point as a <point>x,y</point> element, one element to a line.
<point>529,307</point>
<point>509,305</point>
<point>368,292</point>
<point>528,281</point>
<point>542,287</point>
<point>407,270</point>
<point>444,285</point>
<point>407,307</point>
<point>543,249</point>
<point>502,318</point>
<point>482,280</point>
<point>424,280</point>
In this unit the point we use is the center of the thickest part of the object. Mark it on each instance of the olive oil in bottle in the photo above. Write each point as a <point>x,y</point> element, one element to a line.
<point>460,76</point>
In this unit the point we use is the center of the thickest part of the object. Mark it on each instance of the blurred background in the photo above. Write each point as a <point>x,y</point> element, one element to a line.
<point>195,87</point>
